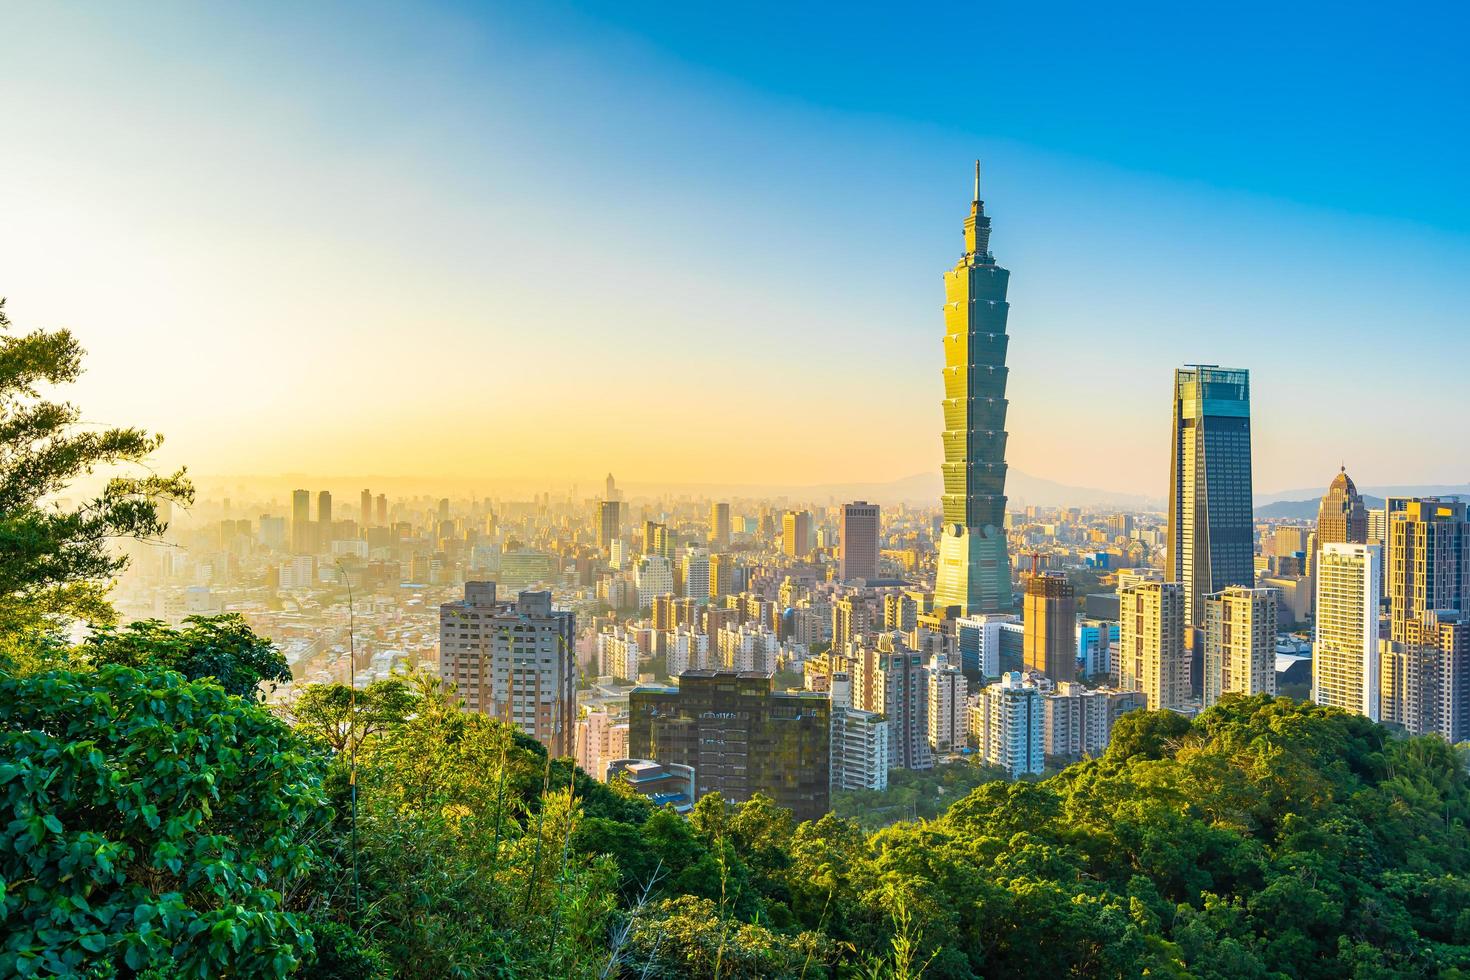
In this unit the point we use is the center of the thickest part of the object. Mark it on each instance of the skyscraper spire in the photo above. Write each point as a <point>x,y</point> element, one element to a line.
<point>974,573</point>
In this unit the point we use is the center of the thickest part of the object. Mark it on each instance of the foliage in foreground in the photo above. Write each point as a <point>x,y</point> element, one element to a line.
<point>159,822</point>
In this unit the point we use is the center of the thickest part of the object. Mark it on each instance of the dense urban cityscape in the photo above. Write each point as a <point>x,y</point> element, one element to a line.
<point>570,490</point>
<point>802,648</point>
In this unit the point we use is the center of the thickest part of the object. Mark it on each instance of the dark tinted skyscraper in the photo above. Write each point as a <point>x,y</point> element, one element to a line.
<point>974,569</point>
<point>739,735</point>
<point>1210,536</point>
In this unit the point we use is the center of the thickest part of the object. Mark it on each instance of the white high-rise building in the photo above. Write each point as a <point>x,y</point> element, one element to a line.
<point>1240,642</point>
<point>859,749</point>
<point>1008,725</point>
<point>617,654</point>
<point>947,692</point>
<point>1079,720</point>
<point>696,574</point>
<point>748,647</point>
<point>688,650</point>
<point>1345,652</point>
<point>1151,657</point>
<point>654,577</point>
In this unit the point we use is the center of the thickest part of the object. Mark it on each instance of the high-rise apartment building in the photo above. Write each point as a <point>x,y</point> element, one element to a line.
<point>1008,725</point>
<point>719,525</point>
<point>974,573</point>
<point>851,622</point>
<point>381,505</point>
<point>600,739</point>
<point>514,661</point>
<point>1345,649</point>
<point>740,736</point>
<point>796,533</point>
<point>1079,720</point>
<point>900,687</point>
<point>723,576</point>
<point>1341,517</point>
<point>696,574</point>
<point>948,690</point>
<point>324,517</point>
<point>1151,657</point>
<point>301,529</point>
<point>859,542</point>
<point>859,749</point>
<point>1240,642</point>
<point>365,510</point>
<point>1210,536</point>
<point>1050,620</point>
<point>1428,563</point>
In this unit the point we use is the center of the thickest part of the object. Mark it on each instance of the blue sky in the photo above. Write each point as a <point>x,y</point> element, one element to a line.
<point>704,242</point>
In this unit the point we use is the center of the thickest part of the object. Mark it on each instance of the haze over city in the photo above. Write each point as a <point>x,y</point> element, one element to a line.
<point>602,232</point>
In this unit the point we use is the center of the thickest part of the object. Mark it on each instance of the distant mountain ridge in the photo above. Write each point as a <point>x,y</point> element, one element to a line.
<point>1275,506</point>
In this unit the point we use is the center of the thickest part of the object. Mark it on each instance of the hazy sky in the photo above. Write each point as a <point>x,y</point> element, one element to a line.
<point>704,242</point>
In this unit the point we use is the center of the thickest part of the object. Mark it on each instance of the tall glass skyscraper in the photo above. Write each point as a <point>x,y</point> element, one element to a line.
<point>974,569</point>
<point>1210,539</point>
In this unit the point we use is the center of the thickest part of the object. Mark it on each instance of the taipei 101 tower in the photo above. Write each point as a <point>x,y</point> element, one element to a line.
<point>974,570</point>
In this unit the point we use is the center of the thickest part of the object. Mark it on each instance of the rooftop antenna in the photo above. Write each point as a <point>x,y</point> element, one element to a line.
<point>977,180</point>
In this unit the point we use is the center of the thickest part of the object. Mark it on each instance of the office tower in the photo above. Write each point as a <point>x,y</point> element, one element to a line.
<point>796,533</point>
<point>522,568</point>
<point>1008,725</point>
<point>979,641</point>
<point>1210,542</point>
<point>1151,657</point>
<point>365,510</point>
<point>1341,517</point>
<point>851,621</point>
<point>696,574</point>
<point>719,525</point>
<point>1079,720</point>
<point>859,749</point>
<point>1428,565</point>
<point>974,573</point>
<point>609,522</point>
<point>740,736</point>
<point>1050,619</point>
<point>653,576</point>
<point>1345,654</point>
<point>859,542</point>
<point>301,530</point>
<point>611,491</point>
<point>324,516</point>
<point>443,509</point>
<point>513,660</point>
<point>382,509</point>
<point>947,692</point>
<point>1240,642</point>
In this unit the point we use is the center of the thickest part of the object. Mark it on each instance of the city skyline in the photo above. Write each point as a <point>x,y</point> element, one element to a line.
<point>332,282</point>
